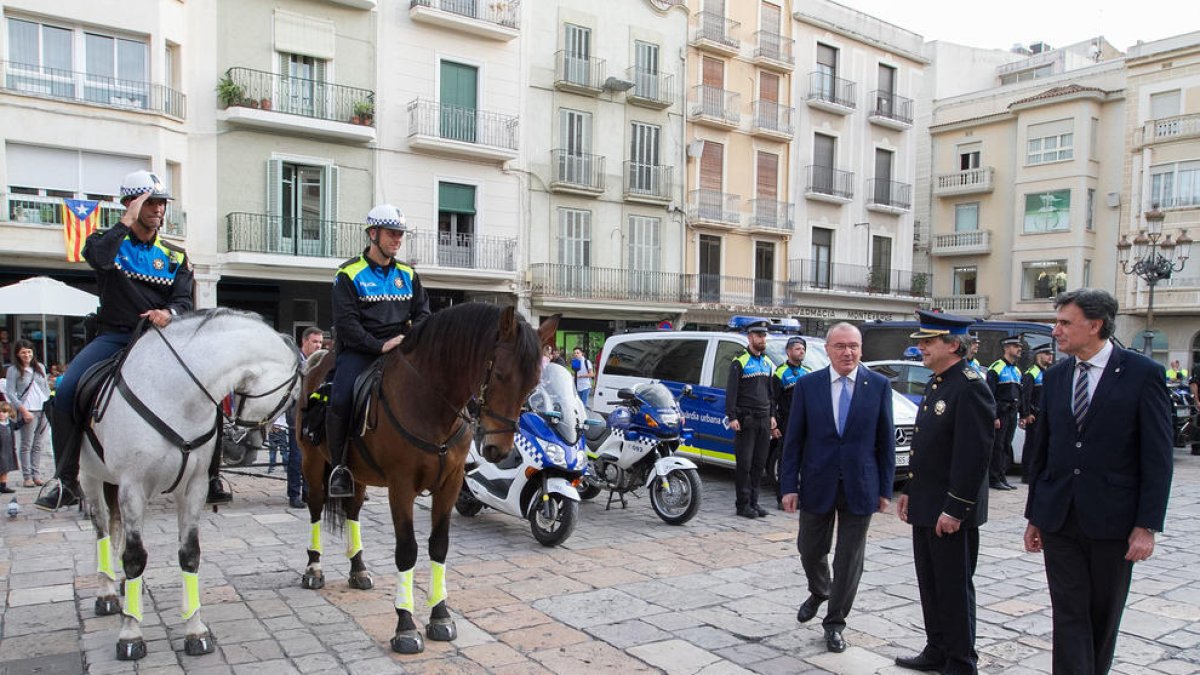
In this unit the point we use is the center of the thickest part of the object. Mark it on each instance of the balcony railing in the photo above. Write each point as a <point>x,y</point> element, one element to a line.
<point>829,89</point>
<point>969,242</point>
<point>773,117</point>
<point>716,29</point>
<point>771,214</point>
<point>464,125</point>
<point>973,305</point>
<point>889,193</point>
<point>1172,128</point>
<point>38,210</point>
<point>652,89</point>
<point>720,105</point>
<point>824,180</point>
<point>315,99</point>
<point>506,13</point>
<point>648,181</point>
<point>816,275</point>
<point>261,233</point>
<point>580,171</point>
<point>578,73</point>
<point>774,47</point>
<point>110,92</point>
<point>711,206</point>
<point>969,181</point>
<point>891,106</point>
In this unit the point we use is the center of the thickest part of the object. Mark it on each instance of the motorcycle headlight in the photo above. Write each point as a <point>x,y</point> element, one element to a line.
<point>670,418</point>
<point>555,454</point>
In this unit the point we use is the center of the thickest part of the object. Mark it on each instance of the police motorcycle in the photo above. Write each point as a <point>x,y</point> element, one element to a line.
<point>538,479</point>
<point>638,450</point>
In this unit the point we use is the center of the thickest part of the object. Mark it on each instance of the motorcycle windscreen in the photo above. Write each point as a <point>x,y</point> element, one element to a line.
<point>556,393</point>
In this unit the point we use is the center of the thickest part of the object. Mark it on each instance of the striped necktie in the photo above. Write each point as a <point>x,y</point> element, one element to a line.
<point>1081,398</point>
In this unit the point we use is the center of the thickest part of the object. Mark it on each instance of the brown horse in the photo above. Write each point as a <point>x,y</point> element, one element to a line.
<point>416,437</point>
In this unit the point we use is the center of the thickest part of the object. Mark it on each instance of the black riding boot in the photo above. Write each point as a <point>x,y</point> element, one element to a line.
<point>217,494</point>
<point>65,438</point>
<point>341,483</point>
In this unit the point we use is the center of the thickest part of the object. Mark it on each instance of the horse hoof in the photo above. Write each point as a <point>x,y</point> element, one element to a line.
<point>312,581</point>
<point>442,630</point>
<point>195,645</point>
<point>107,606</point>
<point>362,581</point>
<point>408,642</point>
<point>131,650</point>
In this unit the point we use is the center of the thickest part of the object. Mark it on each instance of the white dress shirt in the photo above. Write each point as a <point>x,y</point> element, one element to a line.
<point>1098,363</point>
<point>835,388</point>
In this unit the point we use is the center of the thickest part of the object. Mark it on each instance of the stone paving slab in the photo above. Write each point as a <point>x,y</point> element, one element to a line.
<point>626,594</point>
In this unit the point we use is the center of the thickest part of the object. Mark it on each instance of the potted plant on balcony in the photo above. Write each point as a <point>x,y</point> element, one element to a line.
<point>920,281</point>
<point>364,113</point>
<point>229,92</point>
<point>877,280</point>
<point>266,103</point>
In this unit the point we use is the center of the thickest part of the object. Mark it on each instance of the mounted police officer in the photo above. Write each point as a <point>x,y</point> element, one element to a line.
<point>140,276</point>
<point>1004,379</point>
<point>376,301</point>
<point>750,409</point>
<point>1031,403</point>
<point>783,383</point>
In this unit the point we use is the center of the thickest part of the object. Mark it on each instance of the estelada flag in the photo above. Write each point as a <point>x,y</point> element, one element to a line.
<point>80,218</point>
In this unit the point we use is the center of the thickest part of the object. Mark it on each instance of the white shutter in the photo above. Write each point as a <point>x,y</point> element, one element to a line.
<point>102,174</point>
<point>329,194</point>
<point>47,168</point>
<point>299,34</point>
<point>274,188</point>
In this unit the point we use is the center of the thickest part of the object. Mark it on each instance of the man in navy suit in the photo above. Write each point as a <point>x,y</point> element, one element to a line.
<point>841,445</point>
<point>1100,478</point>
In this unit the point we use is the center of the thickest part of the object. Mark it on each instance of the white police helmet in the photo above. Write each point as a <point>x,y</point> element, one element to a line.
<point>387,217</point>
<point>140,182</point>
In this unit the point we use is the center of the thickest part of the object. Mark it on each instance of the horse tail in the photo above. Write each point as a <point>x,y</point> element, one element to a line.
<point>335,514</point>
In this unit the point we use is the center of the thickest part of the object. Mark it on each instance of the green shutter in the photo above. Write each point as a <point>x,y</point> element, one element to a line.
<point>459,85</point>
<point>456,198</point>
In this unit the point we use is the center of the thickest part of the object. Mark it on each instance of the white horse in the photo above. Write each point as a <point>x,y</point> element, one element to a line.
<point>174,380</point>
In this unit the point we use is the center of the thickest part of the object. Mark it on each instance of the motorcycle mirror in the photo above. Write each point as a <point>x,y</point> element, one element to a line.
<point>593,422</point>
<point>552,414</point>
<point>687,391</point>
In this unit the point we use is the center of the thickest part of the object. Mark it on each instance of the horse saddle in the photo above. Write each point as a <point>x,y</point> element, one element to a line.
<point>96,383</point>
<point>366,388</point>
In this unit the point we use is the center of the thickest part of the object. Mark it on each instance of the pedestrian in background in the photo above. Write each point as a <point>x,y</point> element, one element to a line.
<point>8,447</point>
<point>838,464</point>
<point>584,374</point>
<point>750,409</point>
<point>28,392</point>
<point>945,501</point>
<point>1100,478</point>
<point>311,341</point>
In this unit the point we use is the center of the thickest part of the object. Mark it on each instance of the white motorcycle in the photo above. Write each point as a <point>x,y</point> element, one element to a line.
<point>538,479</point>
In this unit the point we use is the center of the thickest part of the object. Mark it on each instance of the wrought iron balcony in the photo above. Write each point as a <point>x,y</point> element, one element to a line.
<point>580,173</point>
<point>891,110</point>
<point>80,87</point>
<point>773,119</point>
<point>715,32</point>
<point>648,182</point>
<point>888,195</point>
<point>711,207</point>
<point>971,242</point>
<point>606,283</point>
<point>651,90</point>
<point>829,184</point>
<point>969,181</point>
<point>715,106</point>
<point>497,20</point>
<point>256,98</point>
<point>579,74</point>
<point>818,275</point>
<point>970,305</point>
<point>464,132</point>
<point>832,94</point>
<point>39,210</point>
<point>774,51</point>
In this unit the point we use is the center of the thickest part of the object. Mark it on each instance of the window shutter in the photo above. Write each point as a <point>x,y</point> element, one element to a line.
<point>329,193</point>
<point>456,198</point>
<point>274,188</point>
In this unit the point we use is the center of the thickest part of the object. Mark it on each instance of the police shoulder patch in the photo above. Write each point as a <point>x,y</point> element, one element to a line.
<point>971,373</point>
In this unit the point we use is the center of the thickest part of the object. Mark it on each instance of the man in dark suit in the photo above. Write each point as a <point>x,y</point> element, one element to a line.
<point>946,499</point>
<point>841,443</point>
<point>1100,478</point>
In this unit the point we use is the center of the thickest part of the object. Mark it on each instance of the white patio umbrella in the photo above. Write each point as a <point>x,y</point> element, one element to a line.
<point>43,295</point>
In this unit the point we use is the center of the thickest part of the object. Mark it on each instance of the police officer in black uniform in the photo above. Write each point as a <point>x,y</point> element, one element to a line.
<point>140,276</point>
<point>784,382</point>
<point>750,409</point>
<point>1031,401</point>
<point>946,499</point>
<point>376,301</point>
<point>1004,380</point>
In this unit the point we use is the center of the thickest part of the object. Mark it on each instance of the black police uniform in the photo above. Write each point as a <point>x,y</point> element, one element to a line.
<point>951,449</point>
<point>749,399</point>
<point>1031,402</point>
<point>1004,380</point>
<point>784,384</point>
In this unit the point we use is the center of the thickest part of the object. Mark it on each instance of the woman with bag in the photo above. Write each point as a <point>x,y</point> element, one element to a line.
<point>28,391</point>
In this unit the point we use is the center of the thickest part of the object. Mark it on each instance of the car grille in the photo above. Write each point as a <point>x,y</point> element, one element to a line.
<point>904,435</point>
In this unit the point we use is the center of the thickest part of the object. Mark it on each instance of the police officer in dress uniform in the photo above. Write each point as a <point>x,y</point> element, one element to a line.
<point>1031,400</point>
<point>1004,379</point>
<point>784,382</point>
<point>376,301</point>
<point>750,409</point>
<point>946,499</point>
<point>140,276</point>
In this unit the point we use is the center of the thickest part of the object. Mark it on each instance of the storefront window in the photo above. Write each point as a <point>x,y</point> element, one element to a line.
<point>1043,280</point>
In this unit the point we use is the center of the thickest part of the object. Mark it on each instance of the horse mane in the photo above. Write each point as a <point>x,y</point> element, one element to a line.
<point>206,315</point>
<point>464,336</point>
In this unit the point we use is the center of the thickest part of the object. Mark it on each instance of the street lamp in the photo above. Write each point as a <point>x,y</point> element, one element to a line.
<point>1153,261</point>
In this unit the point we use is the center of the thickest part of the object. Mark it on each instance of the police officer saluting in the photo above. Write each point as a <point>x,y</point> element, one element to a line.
<point>1031,401</point>
<point>140,276</point>
<point>1004,379</point>
<point>750,408</point>
<point>945,501</point>
<point>376,301</point>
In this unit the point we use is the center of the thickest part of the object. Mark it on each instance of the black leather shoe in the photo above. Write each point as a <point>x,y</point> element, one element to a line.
<point>1008,485</point>
<point>747,512</point>
<point>760,511</point>
<point>63,494</point>
<point>834,641</point>
<point>808,608</point>
<point>217,493</point>
<point>341,483</point>
<point>921,661</point>
<point>297,503</point>
<point>997,485</point>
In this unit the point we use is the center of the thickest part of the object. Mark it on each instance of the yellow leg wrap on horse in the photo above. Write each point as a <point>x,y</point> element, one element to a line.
<point>353,538</point>
<point>191,593</point>
<point>437,582</point>
<point>104,557</point>
<point>404,590</point>
<point>314,540</point>
<point>133,598</point>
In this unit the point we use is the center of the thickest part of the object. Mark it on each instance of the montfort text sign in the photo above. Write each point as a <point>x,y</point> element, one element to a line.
<point>847,314</point>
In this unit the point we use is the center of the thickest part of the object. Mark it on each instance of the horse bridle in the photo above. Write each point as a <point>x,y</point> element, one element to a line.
<point>477,407</point>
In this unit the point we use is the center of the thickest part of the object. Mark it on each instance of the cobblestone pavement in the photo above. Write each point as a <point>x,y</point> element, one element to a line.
<point>627,593</point>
